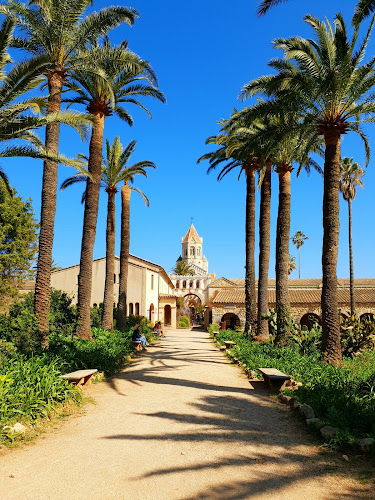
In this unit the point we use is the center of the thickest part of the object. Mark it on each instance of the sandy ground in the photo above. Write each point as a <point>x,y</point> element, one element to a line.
<point>179,423</point>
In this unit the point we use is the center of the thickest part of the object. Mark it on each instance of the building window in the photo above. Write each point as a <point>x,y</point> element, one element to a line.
<point>114,278</point>
<point>137,308</point>
<point>152,281</point>
<point>198,252</point>
<point>184,284</point>
<point>131,311</point>
<point>177,284</point>
<point>185,252</point>
<point>192,252</point>
<point>191,284</point>
<point>197,284</point>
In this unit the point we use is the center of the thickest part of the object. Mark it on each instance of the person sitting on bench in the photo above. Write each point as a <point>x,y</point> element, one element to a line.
<point>137,337</point>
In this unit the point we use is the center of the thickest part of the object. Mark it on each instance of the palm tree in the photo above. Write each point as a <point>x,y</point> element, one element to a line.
<point>299,239</point>
<point>362,9</point>
<point>117,80</point>
<point>292,264</point>
<point>351,177</point>
<point>284,151</point>
<point>248,163</point>
<point>182,269</point>
<point>56,29</point>
<point>300,86</point>
<point>114,171</point>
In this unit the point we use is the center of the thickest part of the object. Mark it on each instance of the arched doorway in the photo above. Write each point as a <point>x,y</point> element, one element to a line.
<point>368,316</point>
<point>305,320</point>
<point>231,320</point>
<point>167,315</point>
<point>194,303</point>
<point>151,313</point>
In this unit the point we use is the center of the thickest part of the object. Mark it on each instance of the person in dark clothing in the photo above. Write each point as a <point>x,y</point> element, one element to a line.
<point>137,337</point>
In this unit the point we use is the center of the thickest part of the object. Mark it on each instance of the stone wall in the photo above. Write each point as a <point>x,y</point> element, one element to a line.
<point>219,310</point>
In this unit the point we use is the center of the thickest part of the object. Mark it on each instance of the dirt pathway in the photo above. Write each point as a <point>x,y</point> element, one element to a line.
<point>180,423</point>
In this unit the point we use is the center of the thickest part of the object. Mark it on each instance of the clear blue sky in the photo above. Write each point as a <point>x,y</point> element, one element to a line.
<point>203,53</point>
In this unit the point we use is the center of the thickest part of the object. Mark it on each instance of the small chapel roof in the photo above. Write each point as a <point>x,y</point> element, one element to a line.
<point>192,234</point>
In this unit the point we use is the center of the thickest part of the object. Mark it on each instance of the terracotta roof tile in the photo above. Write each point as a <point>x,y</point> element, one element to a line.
<point>302,296</point>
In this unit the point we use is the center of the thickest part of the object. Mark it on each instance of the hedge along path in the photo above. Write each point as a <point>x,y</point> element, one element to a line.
<point>179,423</point>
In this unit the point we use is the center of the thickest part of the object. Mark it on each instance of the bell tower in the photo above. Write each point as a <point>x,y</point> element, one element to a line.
<point>192,249</point>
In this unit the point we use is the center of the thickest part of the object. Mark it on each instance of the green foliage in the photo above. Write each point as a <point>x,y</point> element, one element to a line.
<point>107,352</point>
<point>18,236</point>
<point>213,327</point>
<point>139,320</point>
<point>182,269</point>
<point>341,396</point>
<point>30,389</point>
<point>357,334</point>
<point>184,322</point>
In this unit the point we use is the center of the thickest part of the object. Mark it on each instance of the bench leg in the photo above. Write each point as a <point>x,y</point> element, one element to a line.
<point>87,380</point>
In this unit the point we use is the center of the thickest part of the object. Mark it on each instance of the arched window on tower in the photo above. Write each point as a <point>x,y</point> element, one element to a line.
<point>198,252</point>
<point>185,252</point>
<point>192,252</point>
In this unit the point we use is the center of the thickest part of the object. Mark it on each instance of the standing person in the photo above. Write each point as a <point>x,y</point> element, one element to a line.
<point>137,337</point>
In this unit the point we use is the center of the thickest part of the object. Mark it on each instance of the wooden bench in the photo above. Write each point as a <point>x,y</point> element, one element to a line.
<point>80,377</point>
<point>274,378</point>
<point>229,344</point>
<point>137,344</point>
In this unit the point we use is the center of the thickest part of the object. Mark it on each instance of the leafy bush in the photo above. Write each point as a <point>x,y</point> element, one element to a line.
<point>357,334</point>
<point>342,396</point>
<point>184,322</point>
<point>213,327</point>
<point>31,388</point>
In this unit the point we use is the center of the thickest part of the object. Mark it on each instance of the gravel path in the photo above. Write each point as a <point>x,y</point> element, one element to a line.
<point>179,423</point>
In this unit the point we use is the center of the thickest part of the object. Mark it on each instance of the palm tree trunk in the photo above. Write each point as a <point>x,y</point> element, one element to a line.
<point>89,227</point>
<point>264,253</point>
<point>124,257</point>
<point>48,210</point>
<point>110,261</point>
<point>282,256</point>
<point>299,262</point>
<point>250,294</point>
<point>331,347</point>
<point>352,303</point>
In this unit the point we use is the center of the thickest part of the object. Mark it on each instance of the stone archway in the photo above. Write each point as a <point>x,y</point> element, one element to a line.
<point>305,320</point>
<point>231,320</point>
<point>191,301</point>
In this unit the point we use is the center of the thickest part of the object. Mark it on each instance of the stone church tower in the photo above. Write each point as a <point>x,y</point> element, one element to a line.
<point>192,251</point>
<point>193,287</point>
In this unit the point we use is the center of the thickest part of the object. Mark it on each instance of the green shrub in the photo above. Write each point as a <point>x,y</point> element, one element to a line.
<point>213,327</point>
<point>31,388</point>
<point>357,334</point>
<point>184,322</point>
<point>341,396</point>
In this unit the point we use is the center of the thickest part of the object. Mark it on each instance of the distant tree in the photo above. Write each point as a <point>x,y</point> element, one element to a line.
<point>299,239</point>
<point>115,169</point>
<point>183,269</point>
<point>351,175</point>
<point>292,264</point>
<point>18,241</point>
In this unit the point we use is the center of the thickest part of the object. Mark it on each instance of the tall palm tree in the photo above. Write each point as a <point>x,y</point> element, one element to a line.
<point>121,80</point>
<point>247,162</point>
<point>56,29</point>
<point>284,152</point>
<point>326,83</point>
<point>351,177</point>
<point>299,239</point>
<point>362,10</point>
<point>115,169</point>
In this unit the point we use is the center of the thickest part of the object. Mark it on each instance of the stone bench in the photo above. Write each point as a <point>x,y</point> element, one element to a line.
<point>80,377</point>
<point>215,333</point>
<point>274,378</point>
<point>137,344</point>
<point>229,344</point>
